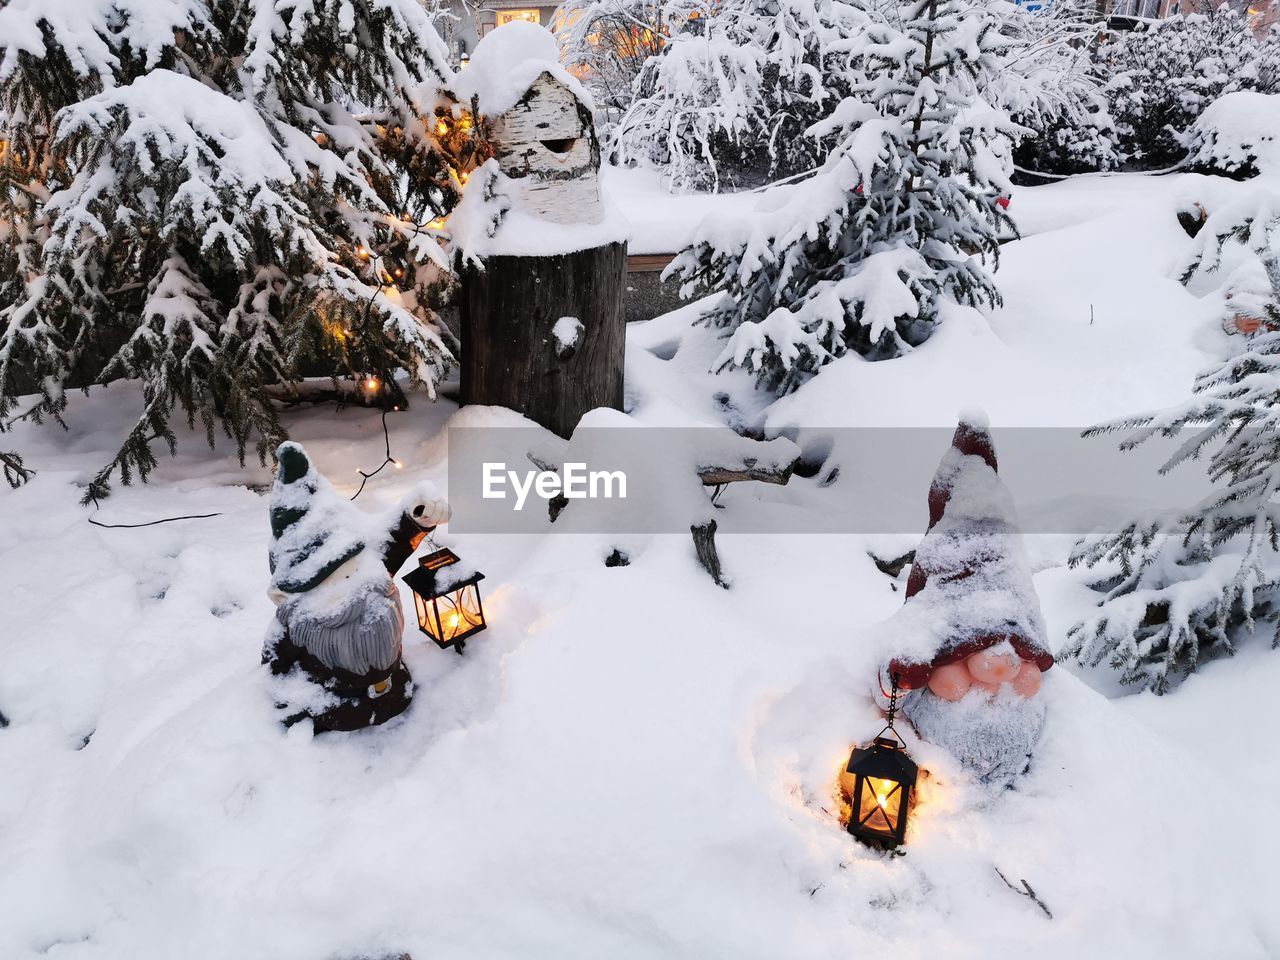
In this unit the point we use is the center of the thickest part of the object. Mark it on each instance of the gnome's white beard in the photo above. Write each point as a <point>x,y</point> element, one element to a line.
<point>993,737</point>
<point>363,635</point>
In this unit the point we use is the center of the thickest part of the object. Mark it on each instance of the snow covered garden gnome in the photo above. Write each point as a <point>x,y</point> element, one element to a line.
<point>968,645</point>
<point>336,639</point>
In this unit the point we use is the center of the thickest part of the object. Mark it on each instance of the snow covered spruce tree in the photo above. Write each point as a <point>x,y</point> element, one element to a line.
<point>732,97</point>
<point>864,255</point>
<point>1184,588</point>
<point>214,197</point>
<point>1163,74</point>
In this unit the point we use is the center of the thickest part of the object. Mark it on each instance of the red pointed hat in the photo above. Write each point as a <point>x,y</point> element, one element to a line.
<point>969,571</point>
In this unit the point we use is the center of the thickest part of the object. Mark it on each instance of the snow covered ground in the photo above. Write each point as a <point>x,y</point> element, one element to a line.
<point>631,762</point>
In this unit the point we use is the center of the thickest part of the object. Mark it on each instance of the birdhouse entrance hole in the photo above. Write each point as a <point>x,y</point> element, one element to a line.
<point>563,145</point>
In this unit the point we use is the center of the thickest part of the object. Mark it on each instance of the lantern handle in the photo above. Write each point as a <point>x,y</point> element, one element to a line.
<point>893,732</point>
<point>892,694</point>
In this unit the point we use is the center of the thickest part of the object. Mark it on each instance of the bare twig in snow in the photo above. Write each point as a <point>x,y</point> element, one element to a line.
<point>1025,891</point>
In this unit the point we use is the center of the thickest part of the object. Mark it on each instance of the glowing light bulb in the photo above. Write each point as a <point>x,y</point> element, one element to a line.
<point>363,252</point>
<point>398,464</point>
<point>371,384</point>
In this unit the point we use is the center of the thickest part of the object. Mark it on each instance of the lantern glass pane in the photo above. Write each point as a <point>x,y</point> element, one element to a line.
<point>433,619</point>
<point>470,606</point>
<point>459,612</point>
<point>450,617</point>
<point>879,805</point>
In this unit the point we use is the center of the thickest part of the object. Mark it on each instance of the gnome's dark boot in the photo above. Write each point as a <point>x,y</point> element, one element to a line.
<point>369,704</point>
<point>364,700</point>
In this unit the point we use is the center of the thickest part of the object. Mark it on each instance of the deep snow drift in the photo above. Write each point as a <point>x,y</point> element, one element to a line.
<point>631,761</point>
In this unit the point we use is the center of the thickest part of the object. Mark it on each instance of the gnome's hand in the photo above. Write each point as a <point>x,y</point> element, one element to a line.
<point>429,513</point>
<point>987,670</point>
<point>422,513</point>
<point>425,507</point>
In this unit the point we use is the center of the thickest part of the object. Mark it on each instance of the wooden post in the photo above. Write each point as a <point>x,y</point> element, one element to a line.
<point>511,356</point>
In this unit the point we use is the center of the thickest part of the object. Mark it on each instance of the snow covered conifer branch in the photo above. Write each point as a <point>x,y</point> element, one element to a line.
<point>1052,85</point>
<point>608,42</point>
<point>1162,75</point>
<point>191,187</point>
<point>730,99</point>
<point>1184,588</point>
<point>899,220</point>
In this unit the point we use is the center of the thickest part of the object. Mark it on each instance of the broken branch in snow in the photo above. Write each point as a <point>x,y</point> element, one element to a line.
<point>541,464</point>
<point>704,544</point>
<point>893,568</point>
<point>746,470</point>
<point>1026,891</point>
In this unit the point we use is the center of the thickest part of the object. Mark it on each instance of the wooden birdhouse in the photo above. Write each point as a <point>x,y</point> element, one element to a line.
<point>546,144</point>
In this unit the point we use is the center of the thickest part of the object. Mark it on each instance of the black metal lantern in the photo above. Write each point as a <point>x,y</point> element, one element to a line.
<point>446,597</point>
<point>878,783</point>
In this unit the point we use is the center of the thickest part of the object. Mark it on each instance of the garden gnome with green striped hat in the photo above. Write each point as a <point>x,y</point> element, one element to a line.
<point>335,643</point>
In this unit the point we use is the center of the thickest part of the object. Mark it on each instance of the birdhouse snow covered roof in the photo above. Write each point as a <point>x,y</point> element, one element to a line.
<point>506,64</point>
<point>545,166</point>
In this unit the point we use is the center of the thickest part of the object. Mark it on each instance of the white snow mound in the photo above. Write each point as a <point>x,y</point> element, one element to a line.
<point>1238,131</point>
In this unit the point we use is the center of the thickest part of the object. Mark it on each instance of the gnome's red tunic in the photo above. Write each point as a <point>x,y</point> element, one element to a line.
<point>968,567</point>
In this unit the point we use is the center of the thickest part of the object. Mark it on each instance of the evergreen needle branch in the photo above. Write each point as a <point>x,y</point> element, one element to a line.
<point>15,472</point>
<point>216,269</point>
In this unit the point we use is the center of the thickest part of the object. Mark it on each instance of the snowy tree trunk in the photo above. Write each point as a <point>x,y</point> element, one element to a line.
<point>511,354</point>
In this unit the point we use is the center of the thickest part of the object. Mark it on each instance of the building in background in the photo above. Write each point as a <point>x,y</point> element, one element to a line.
<point>1262,14</point>
<point>466,21</point>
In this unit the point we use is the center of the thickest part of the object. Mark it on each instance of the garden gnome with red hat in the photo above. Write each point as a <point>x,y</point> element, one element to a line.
<point>967,647</point>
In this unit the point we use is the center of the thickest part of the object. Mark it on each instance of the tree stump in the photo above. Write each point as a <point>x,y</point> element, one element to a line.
<point>511,356</point>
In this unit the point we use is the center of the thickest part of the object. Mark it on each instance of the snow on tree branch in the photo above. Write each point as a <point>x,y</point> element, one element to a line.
<point>204,196</point>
